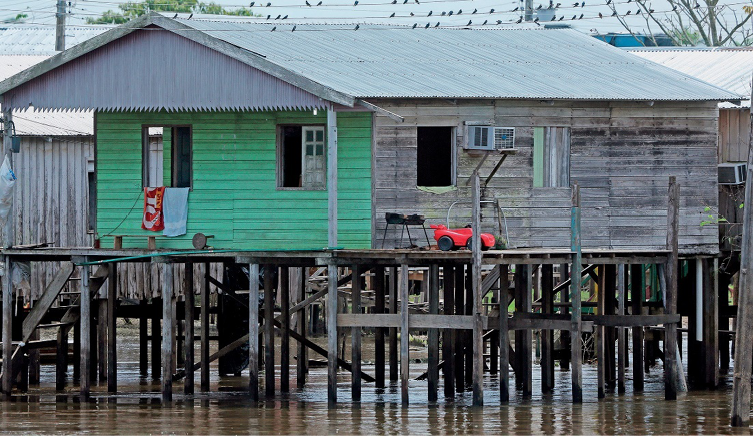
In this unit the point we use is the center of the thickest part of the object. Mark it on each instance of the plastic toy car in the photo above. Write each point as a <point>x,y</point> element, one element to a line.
<point>452,239</point>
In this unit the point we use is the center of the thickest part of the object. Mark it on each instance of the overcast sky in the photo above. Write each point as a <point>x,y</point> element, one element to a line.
<point>379,11</point>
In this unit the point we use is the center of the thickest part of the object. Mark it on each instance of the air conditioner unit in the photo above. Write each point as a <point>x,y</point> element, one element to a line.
<point>490,138</point>
<point>732,173</point>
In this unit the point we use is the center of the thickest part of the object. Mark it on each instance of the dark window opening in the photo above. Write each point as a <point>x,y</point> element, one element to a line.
<point>181,157</point>
<point>434,157</point>
<point>291,140</point>
<point>92,178</point>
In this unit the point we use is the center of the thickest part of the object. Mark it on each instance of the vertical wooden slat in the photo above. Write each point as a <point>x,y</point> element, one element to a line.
<point>168,352</point>
<point>575,315</point>
<point>379,290</point>
<point>204,314</point>
<point>156,333</point>
<point>301,328</point>
<point>7,381</point>
<point>285,329</point>
<point>356,334</point>
<point>143,335</point>
<point>433,340</point>
<point>393,331</point>
<point>188,347</point>
<point>622,331</point>
<point>112,355</point>
<point>547,336</point>
<point>253,330</point>
<point>459,334</point>
<point>600,334</point>
<point>711,322</point>
<point>269,333</point>
<point>332,276</point>
<point>636,300</point>
<point>504,335</point>
<point>85,322</point>
<point>404,335</point>
<point>448,334</point>
<point>670,303</point>
<point>478,331</point>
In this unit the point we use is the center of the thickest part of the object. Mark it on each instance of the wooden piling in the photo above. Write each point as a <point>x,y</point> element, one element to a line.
<point>475,271</point>
<point>670,302</point>
<point>301,329</point>
<point>269,332</point>
<point>523,338</point>
<point>404,335</point>
<point>723,282</point>
<point>711,322</point>
<point>460,335</point>
<point>204,315</point>
<point>85,322</point>
<point>636,300</point>
<point>547,336</point>
<point>102,341</point>
<point>61,359</point>
<point>285,329</point>
<point>143,337</point>
<point>112,345</point>
<point>332,349</point>
<point>622,332</point>
<point>448,334</point>
<point>600,334</point>
<point>575,314</point>
<point>168,314</point>
<point>355,334</point>
<point>433,340</point>
<point>156,333</point>
<point>393,330</point>
<point>564,334</point>
<point>504,336</point>
<point>468,334</point>
<point>188,346</point>
<point>253,332</point>
<point>610,333</point>
<point>7,381</point>
<point>379,361</point>
<point>77,350</point>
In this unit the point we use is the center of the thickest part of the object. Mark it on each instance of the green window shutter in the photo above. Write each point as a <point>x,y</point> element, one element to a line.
<point>538,157</point>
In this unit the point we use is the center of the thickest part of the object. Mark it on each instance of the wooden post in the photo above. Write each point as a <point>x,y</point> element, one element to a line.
<point>77,350</point>
<point>478,331</point>
<point>575,315</point>
<point>168,314</point>
<point>547,336</point>
<point>601,360</point>
<point>61,359</point>
<point>621,332</point>
<point>393,330</point>
<point>269,333</point>
<point>7,381</point>
<point>610,333</point>
<point>156,337</point>
<point>404,334</point>
<point>448,334</point>
<point>285,329</point>
<point>459,334</point>
<point>564,334</point>
<point>112,355</point>
<point>723,282</point>
<point>504,336</point>
<point>670,302</point>
<point>332,349</point>
<point>301,329</point>
<point>85,320</point>
<point>379,355</point>
<point>355,333</point>
<point>204,314</point>
<point>143,336</point>
<point>636,300</point>
<point>332,177</point>
<point>253,331</point>
<point>101,342</point>
<point>188,347</point>
<point>468,334</point>
<point>711,321</point>
<point>433,345</point>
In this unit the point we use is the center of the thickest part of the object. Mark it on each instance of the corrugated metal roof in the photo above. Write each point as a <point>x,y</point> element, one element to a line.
<point>381,61</point>
<point>728,68</point>
<point>25,39</point>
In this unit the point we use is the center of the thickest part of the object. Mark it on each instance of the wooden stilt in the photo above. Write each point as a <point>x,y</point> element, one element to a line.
<point>77,350</point>
<point>622,332</point>
<point>723,279</point>
<point>7,381</point>
<point>636,300</point>
<point>34,362</point>
<point>468,334</point>
<point>448,335</point>
<point>564,334</point>
<point>61,359</point>
<point>204,314</point>
<point>433,340</point>
<point>332,348</point>
<point>711,322</point>
<point>610,333</point>
<point>379,290</point>
<point>143,337</point>
<point>112,355</point>
<point>575,315</point>
<point>404,335</point>
<point>355,334</point>
<point>188,346</point>
<point>392,330</point>
<point>525,349</point>
<point>269,333</point>
<point>459,334</point>
<point>504,336</point>
<point>301,329</point>
<point>547,336</point>
<point>253,332</point>
<point>670,302</point>
<point>285,330</point>
<point>156,333</point>
<point>168,314</point>
<point>85,322</point>
<point>102,339</point>
<point>601,360</point>
<point>477,342</point>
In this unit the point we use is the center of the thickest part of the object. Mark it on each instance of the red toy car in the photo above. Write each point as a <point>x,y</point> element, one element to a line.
<point>452,239</point>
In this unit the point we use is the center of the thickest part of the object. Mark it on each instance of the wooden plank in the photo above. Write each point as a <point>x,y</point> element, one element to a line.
<point>156,335</point>
<point>301,329</point>
<point>61,359</point>
<point>547,336</point>
<point>404,335</point>
<point>143,337</point>
<point>332,334</point>
<point>448,334</point>
<point>285,334</point>
<point>269,332</point>
<point>478,341</point>
<point>621,332</point>
<point>253,332</point>
<point>631,320</point>
<point>331,178</point>
<point>112,354</point>
<point>393,331</point>
<point>504,336</point>
<point>600,338</point>
<point>575,342</point>
<point>204,315</point>
<point>459,336</point>
<point>711,322</point>
<point>189,345</point>
<point>85,322</point>
<point>168,352</point>
<point>433,340</point>
<point>670,302</point>
<point>7,380</point>
<point>379,350</point>
<point>47,299</point>
<point>356,335</point>
<point>636,300</point>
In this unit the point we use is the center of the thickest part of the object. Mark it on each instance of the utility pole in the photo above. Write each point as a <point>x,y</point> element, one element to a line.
<point>529,10</point>
<point>60,27</point>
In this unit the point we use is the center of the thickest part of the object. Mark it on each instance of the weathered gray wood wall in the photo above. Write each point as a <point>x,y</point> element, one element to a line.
<point>622,154</point>
<point>734,135</point>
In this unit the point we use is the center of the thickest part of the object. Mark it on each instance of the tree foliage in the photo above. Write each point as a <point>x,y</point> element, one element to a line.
<point>133,9</point>
<point>19,18</point>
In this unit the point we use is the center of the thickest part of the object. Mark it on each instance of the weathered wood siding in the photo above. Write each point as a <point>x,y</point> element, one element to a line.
<point>734,135</point>
<point>622,155</point>
<point>234,195</point>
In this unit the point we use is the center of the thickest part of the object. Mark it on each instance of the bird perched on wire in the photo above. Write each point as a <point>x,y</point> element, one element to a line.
<point>412,14</point>
<point>600,15</point>
<point>574,17</point>
<point>269,4</point>
<point>561,18</point>
<point>536,20</point>
<point>274,28</point>
<point>427,25</point>
<point>609,1</point>
<point>583,4</point>
<point>449,14</point>
<point>674,8</point>
<point>415,25</point>
<point>499,21</point>
<point>437,25</point>
<point>558,5</point>
<point>697,6</point>
<point>392,15</point>
<point>355,3</point>
<point>614,14</point>
<point>444,13</point>
<point>628,13</point>
<point>189,17</point>
<point>581,17</point>
<point>538,7</point>
<point>308,4</point>
<point>357,27</point>
<point>175,16</point>
<point>639,12</point>
<point>430,12</point>
<point>460,11</point>
<point>278,17</point>
<point>514,10</point>
<point>474,11</point>
<point>484,23</point>
<point>319,4</point>
<point>293,30</point>
<point>285,17</point>
<point>469,23</point>
<point>554,18</point>
<point>491,11</point>
<point>520,20</point>
<point>269,16</point>
<point>251,5</point>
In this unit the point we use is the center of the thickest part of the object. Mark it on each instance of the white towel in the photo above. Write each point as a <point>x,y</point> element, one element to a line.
<point>175,208</point>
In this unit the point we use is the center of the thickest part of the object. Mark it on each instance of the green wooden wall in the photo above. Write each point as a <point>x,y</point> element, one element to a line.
<point>235,195</point>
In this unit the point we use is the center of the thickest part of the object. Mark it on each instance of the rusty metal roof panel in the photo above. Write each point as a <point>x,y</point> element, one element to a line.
<point>382,61</point>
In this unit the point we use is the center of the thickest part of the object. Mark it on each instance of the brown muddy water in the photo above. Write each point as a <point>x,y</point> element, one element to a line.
<point>227,410</point>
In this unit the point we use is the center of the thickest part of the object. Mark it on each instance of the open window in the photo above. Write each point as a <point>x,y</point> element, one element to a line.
<point>179,141</point>
<point>302,157</point>
<point>435,160</point>
<point>551,157</point>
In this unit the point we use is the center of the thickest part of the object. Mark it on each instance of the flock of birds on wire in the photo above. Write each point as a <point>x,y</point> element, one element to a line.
<point>536,21</point>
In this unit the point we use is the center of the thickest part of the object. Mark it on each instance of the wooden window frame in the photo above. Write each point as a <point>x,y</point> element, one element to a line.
<point>279,156</point>
<point>145,153</point>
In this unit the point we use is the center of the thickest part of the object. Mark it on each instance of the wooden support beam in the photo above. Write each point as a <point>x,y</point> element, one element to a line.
<point>112,354</point>
<point>48,298</point>
<point>331,178</point>
<point>448,334</point>
<point>332,334</point>
<point>7,367</point>
<point>168,314</point>
<point>156,337</point>
<point>459,336</point>
<point>575,329</point>
<point>393,331</point>
<point>301,329</point>
<point>621,332</point>
<point>61,359</point>
<point>204,315</point>
<point>143,337</point>
<point>504,336</point>
<point>478,342</point>
<point>564,307</point>
<point>269,332</point>
<point>601,360</point>
<point>670,302</point>
<point>523,338</point>
<point>379,350</point>
<point>253,332</point>
<point>285,321</point>
<point>610,333</point>
<point>711,322</point>
<point>433,340</point>
<point>636,300</point>
<point>101,340</point>
<point>547,336</point>
<point>355,333</point>
<point>404,335</point>
<point>468,335</point>
<point>188,346</point>
<point>85,322</point>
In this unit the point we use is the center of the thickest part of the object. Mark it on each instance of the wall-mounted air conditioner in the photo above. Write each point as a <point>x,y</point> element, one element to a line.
<point>489,138</point>
<point>732,173</point>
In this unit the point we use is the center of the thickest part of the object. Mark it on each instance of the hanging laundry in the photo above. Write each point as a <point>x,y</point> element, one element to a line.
<point>176,211</point>
<point>153,211</point>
